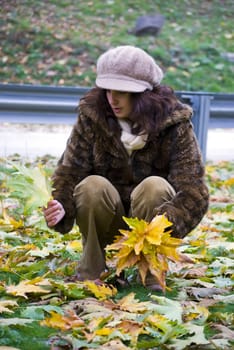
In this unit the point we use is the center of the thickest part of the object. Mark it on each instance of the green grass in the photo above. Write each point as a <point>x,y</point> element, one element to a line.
<point>58,41</point>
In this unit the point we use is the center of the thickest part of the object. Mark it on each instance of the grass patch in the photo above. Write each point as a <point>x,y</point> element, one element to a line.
<point>191,48</point>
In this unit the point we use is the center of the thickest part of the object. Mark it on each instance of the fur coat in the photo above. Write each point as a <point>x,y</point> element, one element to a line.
<point>94,147</point>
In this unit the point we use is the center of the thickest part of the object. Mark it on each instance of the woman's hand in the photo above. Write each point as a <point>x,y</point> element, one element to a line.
<point>53,213</point>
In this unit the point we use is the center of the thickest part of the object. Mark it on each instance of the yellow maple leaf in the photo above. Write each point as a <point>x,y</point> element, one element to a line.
<point>155,229</point>
<point>126,260</point>
<point>37,285</point>
<point>148,246</point>
<point>136,240</point>
<point>101,291</point>
<point>143,267</point>
<point>169,246</point>
<point>158,321</point>
<point>99,318</point>
<point>5,304</point>
<point>131,304</point>
<point>63,322</point>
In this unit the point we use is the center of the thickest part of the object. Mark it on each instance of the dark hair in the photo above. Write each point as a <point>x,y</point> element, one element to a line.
<point>150,108</point>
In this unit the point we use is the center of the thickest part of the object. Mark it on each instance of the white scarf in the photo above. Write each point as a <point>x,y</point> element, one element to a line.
<point>131,142</point>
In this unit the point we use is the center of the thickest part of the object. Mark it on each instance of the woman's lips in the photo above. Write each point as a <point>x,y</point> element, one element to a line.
<point>116,110</point>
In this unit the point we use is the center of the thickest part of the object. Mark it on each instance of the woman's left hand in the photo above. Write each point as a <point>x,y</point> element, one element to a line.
<point>54,212</point>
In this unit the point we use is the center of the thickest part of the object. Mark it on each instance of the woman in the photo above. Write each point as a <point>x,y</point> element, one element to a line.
<point>132,152</point>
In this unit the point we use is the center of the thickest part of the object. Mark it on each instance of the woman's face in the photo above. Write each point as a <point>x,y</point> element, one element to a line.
<point>120,102</point>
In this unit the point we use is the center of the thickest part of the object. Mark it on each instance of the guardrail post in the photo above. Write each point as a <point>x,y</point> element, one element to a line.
<point>201,108</point>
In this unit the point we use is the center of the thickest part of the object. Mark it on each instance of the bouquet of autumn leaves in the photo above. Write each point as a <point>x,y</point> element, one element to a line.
<point>149,246</point>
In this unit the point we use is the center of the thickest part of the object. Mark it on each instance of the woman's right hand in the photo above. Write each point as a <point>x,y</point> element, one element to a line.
<point>53,213</point>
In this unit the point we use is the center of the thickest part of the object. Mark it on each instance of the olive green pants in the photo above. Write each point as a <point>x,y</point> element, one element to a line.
<point>99,213</point>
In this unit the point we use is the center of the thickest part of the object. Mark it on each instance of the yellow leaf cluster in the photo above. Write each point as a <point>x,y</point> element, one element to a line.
<point>106,320</point>
<point>148,246</point>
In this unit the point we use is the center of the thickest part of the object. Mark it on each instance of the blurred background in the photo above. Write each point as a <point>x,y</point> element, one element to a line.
<point>57,42</point>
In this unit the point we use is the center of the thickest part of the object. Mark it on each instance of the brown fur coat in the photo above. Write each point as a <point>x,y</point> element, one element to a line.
<point>94,147</point>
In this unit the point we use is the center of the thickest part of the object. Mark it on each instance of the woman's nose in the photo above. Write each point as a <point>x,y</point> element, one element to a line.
<point>113,97</point>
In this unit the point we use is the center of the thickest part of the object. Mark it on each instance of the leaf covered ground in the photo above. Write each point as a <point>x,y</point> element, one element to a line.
<point>58,41</point>
<point>41,304</point>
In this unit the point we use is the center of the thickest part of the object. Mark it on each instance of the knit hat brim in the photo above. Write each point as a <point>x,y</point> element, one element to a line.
<point>122,83</point>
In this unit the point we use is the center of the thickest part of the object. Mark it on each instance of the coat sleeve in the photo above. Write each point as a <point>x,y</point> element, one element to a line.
<point>186,175</point>
<point>74,165</point>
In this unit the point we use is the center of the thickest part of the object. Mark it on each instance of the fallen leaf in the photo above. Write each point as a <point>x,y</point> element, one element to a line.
<point>39,286</point>
<point>101,291</point>
<point>8,348</point>
<point>14,321</point>
<point>226,332</point>
<point>69,321</point>
<point>195,272</point>
<point>130,304</point>
<point>171,309</point>
<point>113,345</point>
<point>197,337</point>
<point>5,304</point>
<point>199,293</point>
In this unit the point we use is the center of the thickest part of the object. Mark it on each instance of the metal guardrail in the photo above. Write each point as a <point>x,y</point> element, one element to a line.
<point>56,105</point>
<point>39,104</point>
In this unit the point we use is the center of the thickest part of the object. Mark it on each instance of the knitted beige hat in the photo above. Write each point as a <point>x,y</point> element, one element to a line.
<point>127,68</point>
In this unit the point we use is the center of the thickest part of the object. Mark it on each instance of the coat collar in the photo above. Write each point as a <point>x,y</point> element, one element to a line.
<point>111,127</point>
